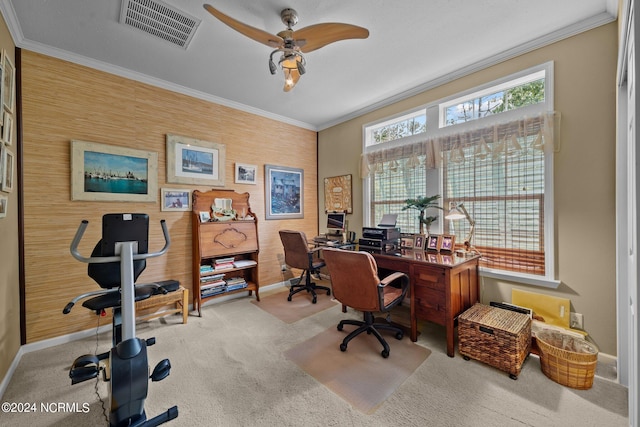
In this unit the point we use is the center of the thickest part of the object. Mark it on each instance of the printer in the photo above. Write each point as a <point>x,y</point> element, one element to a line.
<point>385,236</point>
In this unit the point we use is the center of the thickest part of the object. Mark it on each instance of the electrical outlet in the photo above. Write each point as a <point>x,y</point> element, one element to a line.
<point>283,267</point>
<point>576,321</point>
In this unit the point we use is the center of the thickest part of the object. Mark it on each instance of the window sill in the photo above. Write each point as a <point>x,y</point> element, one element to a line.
<point>526,279</point>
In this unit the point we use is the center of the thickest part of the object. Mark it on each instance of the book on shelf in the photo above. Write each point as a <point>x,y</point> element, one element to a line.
<point>215,284</point>
<point>223,266</point>
<point>212,291</point>
<point>225,260</point>
<point>241,263</point>
<point>206,268</point>
<point>211,277</point>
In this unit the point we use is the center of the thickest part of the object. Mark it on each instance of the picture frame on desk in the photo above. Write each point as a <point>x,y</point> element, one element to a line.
<point>205,216</point>
<point>447,243</point>
<point>433,242</point>
<point>419,241</point>
<point>406,242</point>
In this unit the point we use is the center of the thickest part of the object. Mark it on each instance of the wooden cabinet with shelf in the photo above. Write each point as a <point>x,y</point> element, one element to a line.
<point>225,253</point>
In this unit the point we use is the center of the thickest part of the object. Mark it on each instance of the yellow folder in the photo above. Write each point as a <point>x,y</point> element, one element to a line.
<point>553,310</point>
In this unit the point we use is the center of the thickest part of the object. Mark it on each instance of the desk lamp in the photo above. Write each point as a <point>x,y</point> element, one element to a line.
<point>460,212</point>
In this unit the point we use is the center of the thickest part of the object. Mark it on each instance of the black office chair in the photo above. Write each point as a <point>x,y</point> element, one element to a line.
<point>355,283</point>
<point>298,254</point>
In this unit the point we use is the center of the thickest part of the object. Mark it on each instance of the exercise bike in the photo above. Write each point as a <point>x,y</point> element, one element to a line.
<point>115,264</point>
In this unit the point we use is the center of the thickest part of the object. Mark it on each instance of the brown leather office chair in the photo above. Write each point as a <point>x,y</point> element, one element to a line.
<point>355,283</point>
<point>298,254</point>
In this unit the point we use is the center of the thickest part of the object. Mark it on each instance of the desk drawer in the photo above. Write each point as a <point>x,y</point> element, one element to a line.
<point>429,304</point>
<point>432,278</point>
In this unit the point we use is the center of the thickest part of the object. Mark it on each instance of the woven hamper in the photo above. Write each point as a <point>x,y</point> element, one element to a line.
<point>567,360</point>
<point>498,337</point>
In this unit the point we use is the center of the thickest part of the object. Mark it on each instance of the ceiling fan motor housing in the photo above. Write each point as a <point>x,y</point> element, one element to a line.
<point>289,17</point>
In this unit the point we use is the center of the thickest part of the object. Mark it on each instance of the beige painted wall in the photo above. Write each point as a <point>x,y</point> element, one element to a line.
<point>64,101</point>
<point>585,70</point>
<point>9,262</point>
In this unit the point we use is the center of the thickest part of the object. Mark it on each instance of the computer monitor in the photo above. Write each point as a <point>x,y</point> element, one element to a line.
<point>336,221</point>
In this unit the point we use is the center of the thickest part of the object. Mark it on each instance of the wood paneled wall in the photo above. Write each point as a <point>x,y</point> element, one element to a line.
<point>64,101</point>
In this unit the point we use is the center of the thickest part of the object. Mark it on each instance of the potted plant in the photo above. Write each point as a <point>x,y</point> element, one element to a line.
<point>421,204</point>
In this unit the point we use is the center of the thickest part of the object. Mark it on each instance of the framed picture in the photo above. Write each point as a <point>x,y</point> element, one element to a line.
<point>205,216</point>
<point>2,86</point>
<point>406,242</point>
<point>447,243</point>
<point>8,82</point>
<point>337,194</point>
<point>246,174</point>
<point>7,128</point>
<point>433,242</point>
<point>191,161</point>
<point>419,241</point>
<point>4,205</point>
<point>8,164</point>
<point>432,257</point>
<point>284,192</point>
<point>173,199</point>
<point>101,172</point>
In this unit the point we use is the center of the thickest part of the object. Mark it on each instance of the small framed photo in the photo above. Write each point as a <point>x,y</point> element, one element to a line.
<point>8,82</point>
<point>419,241</point>
<point>432,258</point>
<point>406,242</point>
<point>173,199</point>
<point>7,128</point>
<point>4,201</point>
<point>205,216</point>
<point>246,174</point>
<point>8,164</point>
<point>447,243</point>
<point>433,242</point>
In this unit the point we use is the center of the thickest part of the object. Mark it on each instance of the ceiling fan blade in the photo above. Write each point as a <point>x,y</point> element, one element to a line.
<point>319,35</point>
<point>256,34</point>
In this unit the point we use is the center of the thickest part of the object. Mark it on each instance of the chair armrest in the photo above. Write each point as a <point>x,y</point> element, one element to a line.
<point>395,276</point>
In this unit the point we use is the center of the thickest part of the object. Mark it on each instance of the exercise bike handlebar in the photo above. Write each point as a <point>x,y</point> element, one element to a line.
<point>116,258</point>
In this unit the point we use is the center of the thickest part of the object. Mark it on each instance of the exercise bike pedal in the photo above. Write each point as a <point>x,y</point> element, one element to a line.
<point>161,371</point>
<point>84,368</point>
<point>150,341</point>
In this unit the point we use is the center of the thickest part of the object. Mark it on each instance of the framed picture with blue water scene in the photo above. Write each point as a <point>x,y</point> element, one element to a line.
<point>196,162</point>
<point>284,192</point>
<point>101,172</point>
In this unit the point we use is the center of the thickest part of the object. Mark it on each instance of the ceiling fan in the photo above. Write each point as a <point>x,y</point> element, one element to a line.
<point>292,45</point>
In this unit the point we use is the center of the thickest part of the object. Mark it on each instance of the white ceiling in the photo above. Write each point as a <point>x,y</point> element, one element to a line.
<point>413,45</point>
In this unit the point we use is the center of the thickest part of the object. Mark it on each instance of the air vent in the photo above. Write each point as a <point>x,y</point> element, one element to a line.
<point>160,20</point>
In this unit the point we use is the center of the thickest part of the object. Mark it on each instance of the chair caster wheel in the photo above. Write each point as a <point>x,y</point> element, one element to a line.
<point>289,298</point>
<point>343,347</point>
<point>314,300</point>
<point>399,335</point>
<point>328,292</point>
<point>385,353</point>
<point>340,327</point>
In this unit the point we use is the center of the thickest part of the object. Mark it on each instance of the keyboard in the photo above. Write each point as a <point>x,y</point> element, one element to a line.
<point>320,239</point>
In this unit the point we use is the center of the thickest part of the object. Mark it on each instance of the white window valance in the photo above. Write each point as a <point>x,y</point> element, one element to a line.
<point>489,141</point>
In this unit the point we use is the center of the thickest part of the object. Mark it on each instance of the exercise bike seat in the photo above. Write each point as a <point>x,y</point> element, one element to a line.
<point>112,299</point>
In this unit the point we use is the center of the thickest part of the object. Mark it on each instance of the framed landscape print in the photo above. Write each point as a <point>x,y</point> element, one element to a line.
<point>284,192</point>
<point>4,202</point>
<point>191,161</point>
<point>172,199</point>
<point>101,172</point>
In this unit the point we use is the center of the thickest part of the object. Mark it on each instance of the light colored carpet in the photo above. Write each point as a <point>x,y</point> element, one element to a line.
<point>298,308</point>
<point>359,375</point>
<point>229,369</point>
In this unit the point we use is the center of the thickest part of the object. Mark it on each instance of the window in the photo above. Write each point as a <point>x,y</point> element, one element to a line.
<point>492,150</point>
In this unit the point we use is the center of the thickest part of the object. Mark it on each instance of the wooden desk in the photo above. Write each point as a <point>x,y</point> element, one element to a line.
<point>442,286</point>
